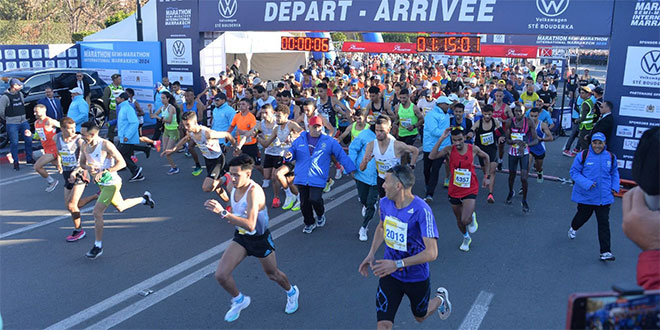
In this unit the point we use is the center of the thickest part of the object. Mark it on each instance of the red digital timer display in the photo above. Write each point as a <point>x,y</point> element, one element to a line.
<point>306,44</point>
<point>449,44</point>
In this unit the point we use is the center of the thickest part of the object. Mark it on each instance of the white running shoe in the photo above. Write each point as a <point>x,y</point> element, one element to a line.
<point>571,233</point>
<point>338,174</point>
<point>292,301</point>
<point>473,226</point>
<point>466,244</point>
<point>288,202</point>
<point>296,207</point>
<point>265,184</point>
<point>444,310</point>
<point>236,307</point>
<point>363,234</point>
<point>51,186</point>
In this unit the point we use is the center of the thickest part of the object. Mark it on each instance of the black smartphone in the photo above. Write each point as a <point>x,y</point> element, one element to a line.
<point>612,310</point>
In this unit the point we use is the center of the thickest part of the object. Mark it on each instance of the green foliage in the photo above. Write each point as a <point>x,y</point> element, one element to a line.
<point>78,36</point>
<point>400,37</point>
<point>117,17</point>
<point>33,32</point>
<point>338,36</point>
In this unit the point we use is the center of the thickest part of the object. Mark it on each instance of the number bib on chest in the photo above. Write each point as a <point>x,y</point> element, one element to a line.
<point>41,133</point>
<point>68,160</point>
<point>205,151</point>
<point>396,234</point>
<point>382,167</point>
<point>462,177</point>
<point>242,231</point>
<point>517,136</point>
<point>487,139</point>
<point>406,122</point>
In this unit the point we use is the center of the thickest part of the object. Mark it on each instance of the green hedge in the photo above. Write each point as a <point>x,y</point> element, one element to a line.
<point>78,36</point>
<point>401,37</point>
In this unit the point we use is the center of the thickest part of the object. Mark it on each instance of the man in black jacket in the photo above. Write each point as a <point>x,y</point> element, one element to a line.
<point>606,122</point>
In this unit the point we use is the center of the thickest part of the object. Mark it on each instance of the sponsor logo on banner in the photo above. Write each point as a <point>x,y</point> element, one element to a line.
<point>651,62</point>
<point>499,38</point>
<point>399,48</point>
<point>630,144</point>
<point>640,107</point>
<point>639,131</point>
<point>629,164</point>
<point>642,67</point>
<point>552,8</point>
<point>354,48</point>
<point>179,51</point>
<point>227,8</point>
<point>512,53</point>
<point>625,131</point>
<point>178,48</point>
<point>620,163</point>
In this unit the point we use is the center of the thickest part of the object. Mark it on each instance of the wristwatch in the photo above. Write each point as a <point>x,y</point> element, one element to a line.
<point>399,263</point>
<point>224,213</point>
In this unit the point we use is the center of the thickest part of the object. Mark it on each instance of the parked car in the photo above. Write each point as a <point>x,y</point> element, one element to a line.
<point>61,80</point>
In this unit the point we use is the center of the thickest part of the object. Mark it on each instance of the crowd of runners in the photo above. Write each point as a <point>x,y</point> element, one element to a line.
<point>367,116</point>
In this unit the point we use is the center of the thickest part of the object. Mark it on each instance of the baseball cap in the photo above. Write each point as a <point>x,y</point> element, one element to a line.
<point>591,87</point>
<point>316,120</point>
<point>354,81</point>
<point>223,73</point>
<point>220,96</point>
<point>501,81</point>
<point>598,90</point>
<point>115,75</point>
<point>427,84</point>
<point>426,92</point>
<point>444,99</point>
<point>586,89</point>
<point>453,97</point>
<point>123,95</point>
<point>598,136</point>
<point>76,90</point>
<point>15,81</point>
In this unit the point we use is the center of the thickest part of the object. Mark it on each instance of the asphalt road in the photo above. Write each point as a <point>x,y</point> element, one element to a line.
<point>518,274</point>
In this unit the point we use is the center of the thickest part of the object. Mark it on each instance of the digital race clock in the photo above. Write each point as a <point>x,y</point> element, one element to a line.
<point>449,44</point>
<point>306,44</point>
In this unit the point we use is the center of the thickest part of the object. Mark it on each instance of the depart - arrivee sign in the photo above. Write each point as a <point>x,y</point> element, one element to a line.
<point>554,17</point>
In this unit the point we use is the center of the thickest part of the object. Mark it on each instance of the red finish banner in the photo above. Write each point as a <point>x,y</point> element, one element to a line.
<point>379,47</point>
<point>511,51</point>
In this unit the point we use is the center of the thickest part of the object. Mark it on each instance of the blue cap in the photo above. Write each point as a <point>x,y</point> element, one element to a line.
<point>15,81</point>
<point>598,136</point>
<point>354,81</point>
<point>444,99</point>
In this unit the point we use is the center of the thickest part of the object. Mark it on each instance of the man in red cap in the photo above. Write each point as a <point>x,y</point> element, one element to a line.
<point>312,152</point>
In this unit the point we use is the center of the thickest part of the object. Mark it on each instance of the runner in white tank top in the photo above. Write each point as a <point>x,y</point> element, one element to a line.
<point>249,216</point>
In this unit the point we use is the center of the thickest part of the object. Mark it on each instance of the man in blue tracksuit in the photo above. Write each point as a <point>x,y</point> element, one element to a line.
<point>366,181</point>
<point>596,177</point>
<point>78,109</point>
<point>312,151</point>
<point>435,123</point>
<point>129,137</point>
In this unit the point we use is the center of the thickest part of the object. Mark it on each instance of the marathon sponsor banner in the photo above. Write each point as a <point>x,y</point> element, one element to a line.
<point>589,42</point>
<point>379,47</point>
<point>180,38</point>
<point>633,77</point>
<point>39,56</point>
<point>556,17</point>
<point>138,63</point>
<point>509,51</point>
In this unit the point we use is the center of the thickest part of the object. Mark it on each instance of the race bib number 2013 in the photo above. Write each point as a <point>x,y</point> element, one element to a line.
<point>396,234</point>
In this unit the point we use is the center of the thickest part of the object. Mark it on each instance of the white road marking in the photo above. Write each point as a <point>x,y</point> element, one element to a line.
<point>477,312</point>
<point>42,223</point>
<point>164,293</point>
<point>19,178</point>
<point>155,280</point>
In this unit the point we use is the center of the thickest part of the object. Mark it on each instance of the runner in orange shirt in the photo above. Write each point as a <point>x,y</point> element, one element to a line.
<point>45,129</point>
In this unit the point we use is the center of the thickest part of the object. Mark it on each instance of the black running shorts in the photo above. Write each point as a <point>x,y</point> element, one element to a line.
<point>391,291</point>
<point>215,168</point>
<point>257,246</point>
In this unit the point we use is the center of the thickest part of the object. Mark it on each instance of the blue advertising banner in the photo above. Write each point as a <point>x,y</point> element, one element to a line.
<point>633,76</point>
<point>181,42</point>
<point>556,17</point>
<point>138,63</point>
<point>589,42</point>
<point>39,56</point>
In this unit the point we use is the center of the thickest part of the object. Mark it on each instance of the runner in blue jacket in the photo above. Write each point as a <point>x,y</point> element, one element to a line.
<point>596,177</point>
<point>311,151</point>
<point>365,181</point>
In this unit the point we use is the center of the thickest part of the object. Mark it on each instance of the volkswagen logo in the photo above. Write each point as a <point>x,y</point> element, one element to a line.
<point>227,8</point>
<point>552,8</point>
<point>651,62</point>
<point>178,48</point>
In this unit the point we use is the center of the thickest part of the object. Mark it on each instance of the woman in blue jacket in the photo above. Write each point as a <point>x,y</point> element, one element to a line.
<point>596,177</point>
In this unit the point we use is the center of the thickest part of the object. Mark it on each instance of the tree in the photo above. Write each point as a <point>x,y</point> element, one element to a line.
<point>117,17</point>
